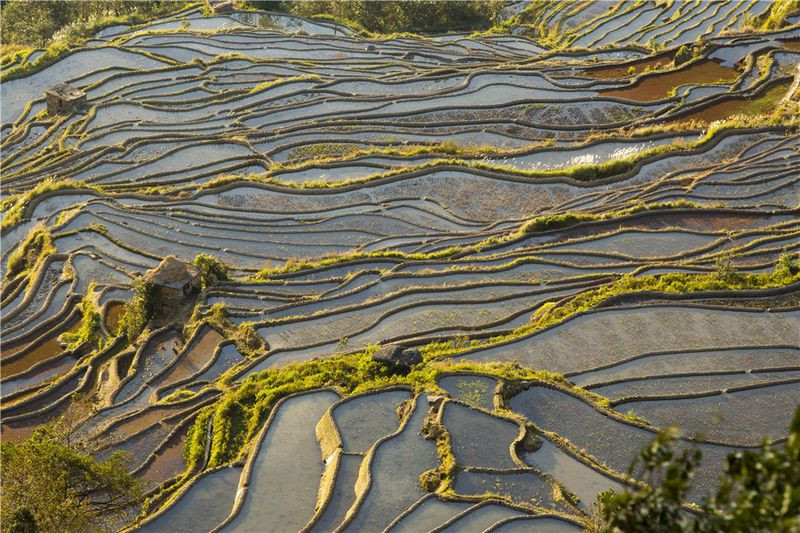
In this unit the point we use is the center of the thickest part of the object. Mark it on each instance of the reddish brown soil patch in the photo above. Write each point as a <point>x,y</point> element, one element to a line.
<point>659,86</point>
<point>637,68</point>
<point>46,350</point>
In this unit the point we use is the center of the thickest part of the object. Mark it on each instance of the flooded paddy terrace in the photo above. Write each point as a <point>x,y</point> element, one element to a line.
<point>464,195</point>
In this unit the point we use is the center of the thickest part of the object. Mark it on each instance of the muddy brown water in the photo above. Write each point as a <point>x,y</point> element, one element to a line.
<point>736,106</point>
<point>48,349</point>
<point>167,463</point>
<point>135,424</point>
<point>638,68</point>
<point>113,314</point>
<point>659,86</point>
<point>16,433</point>
<point>196,358</point>
<point>8,352</point>
<point>791,44</point>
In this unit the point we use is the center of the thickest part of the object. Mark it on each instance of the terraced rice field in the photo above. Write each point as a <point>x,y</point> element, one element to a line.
<point>587,239</point>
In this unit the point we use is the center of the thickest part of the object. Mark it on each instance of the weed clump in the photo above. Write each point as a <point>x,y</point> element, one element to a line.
<point>138,311</point>
<point>212,269</point>
<point>36,246</point>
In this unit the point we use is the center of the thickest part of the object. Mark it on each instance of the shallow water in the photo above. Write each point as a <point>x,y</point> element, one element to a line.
<point>578,478</point>
<point>474,390</point>
<point>203,507</point>
<point>362,421</point>
<point>395,468</point>
<point>430,514</point>
<point>289,452</point>
<point>479,439</point>
<point>483,517</point>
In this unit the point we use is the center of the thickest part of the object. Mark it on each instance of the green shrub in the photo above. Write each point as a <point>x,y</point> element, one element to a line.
<point>51,482</point>
<point>393,16</point>
<point>41,22</point>
<point>551,222</point>
<point>138,311</point>
<point>37,245</point>
<point>759,491</point>
<point>212,269</point>
<point>91,329</point>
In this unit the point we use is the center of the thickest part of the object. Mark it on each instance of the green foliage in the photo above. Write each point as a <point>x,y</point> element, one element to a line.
<point>279,81</point>
<point>242,411</point>
<point>194,449</point>
<point>321,150</point>
<point>778,13</point>
<point>138,311</point>
<point>248,341</point>
<point>91,329</point>
<point>14,206</point>
<point>688,52</point>
<point>22,521</point>
<point>440,478</point>
<point>51,483</point>
<point>391,16</point>
<point>683,55</point>
<point>37,23</point>
<point>759,491</point>
<point>550,222</point>
<point>787,265</point>
<point>26,258</point>
<point>657,507</point>
<point>212,269</point>
<point>218,315</point>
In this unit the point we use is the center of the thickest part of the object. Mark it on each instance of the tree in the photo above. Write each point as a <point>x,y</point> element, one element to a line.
<point>34,23</point>
<point>658,506</point>
<point>759,491</point>
<point>51,483</point>
<point>418,16</point>
<point>211,269</point>
<point>138,310</point>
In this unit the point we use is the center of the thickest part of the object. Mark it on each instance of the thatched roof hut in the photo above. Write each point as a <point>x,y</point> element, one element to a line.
<point>173,281</point>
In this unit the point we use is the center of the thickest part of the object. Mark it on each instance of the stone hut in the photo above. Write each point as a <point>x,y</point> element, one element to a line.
<point>173,282</point>
<point>63,98</point>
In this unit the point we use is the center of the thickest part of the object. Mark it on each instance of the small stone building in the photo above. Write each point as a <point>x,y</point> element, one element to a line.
<point>63,98</point>
<point>173,282</point>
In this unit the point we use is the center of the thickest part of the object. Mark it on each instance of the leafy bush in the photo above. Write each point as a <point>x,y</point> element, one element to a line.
<point>555,222</point>
<point>422,16</point>
<point>138,311</point>
<point>36,246</point>
<point>248,341</point>
<point>91,329</point>
<point>52,483</point>
<point>759,491</point>
<point>212,269</point>
<point>36,23</point>
<point>683,55</point>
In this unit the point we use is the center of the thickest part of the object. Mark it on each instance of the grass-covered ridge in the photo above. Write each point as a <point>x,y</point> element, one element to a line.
<point>239,415</point>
